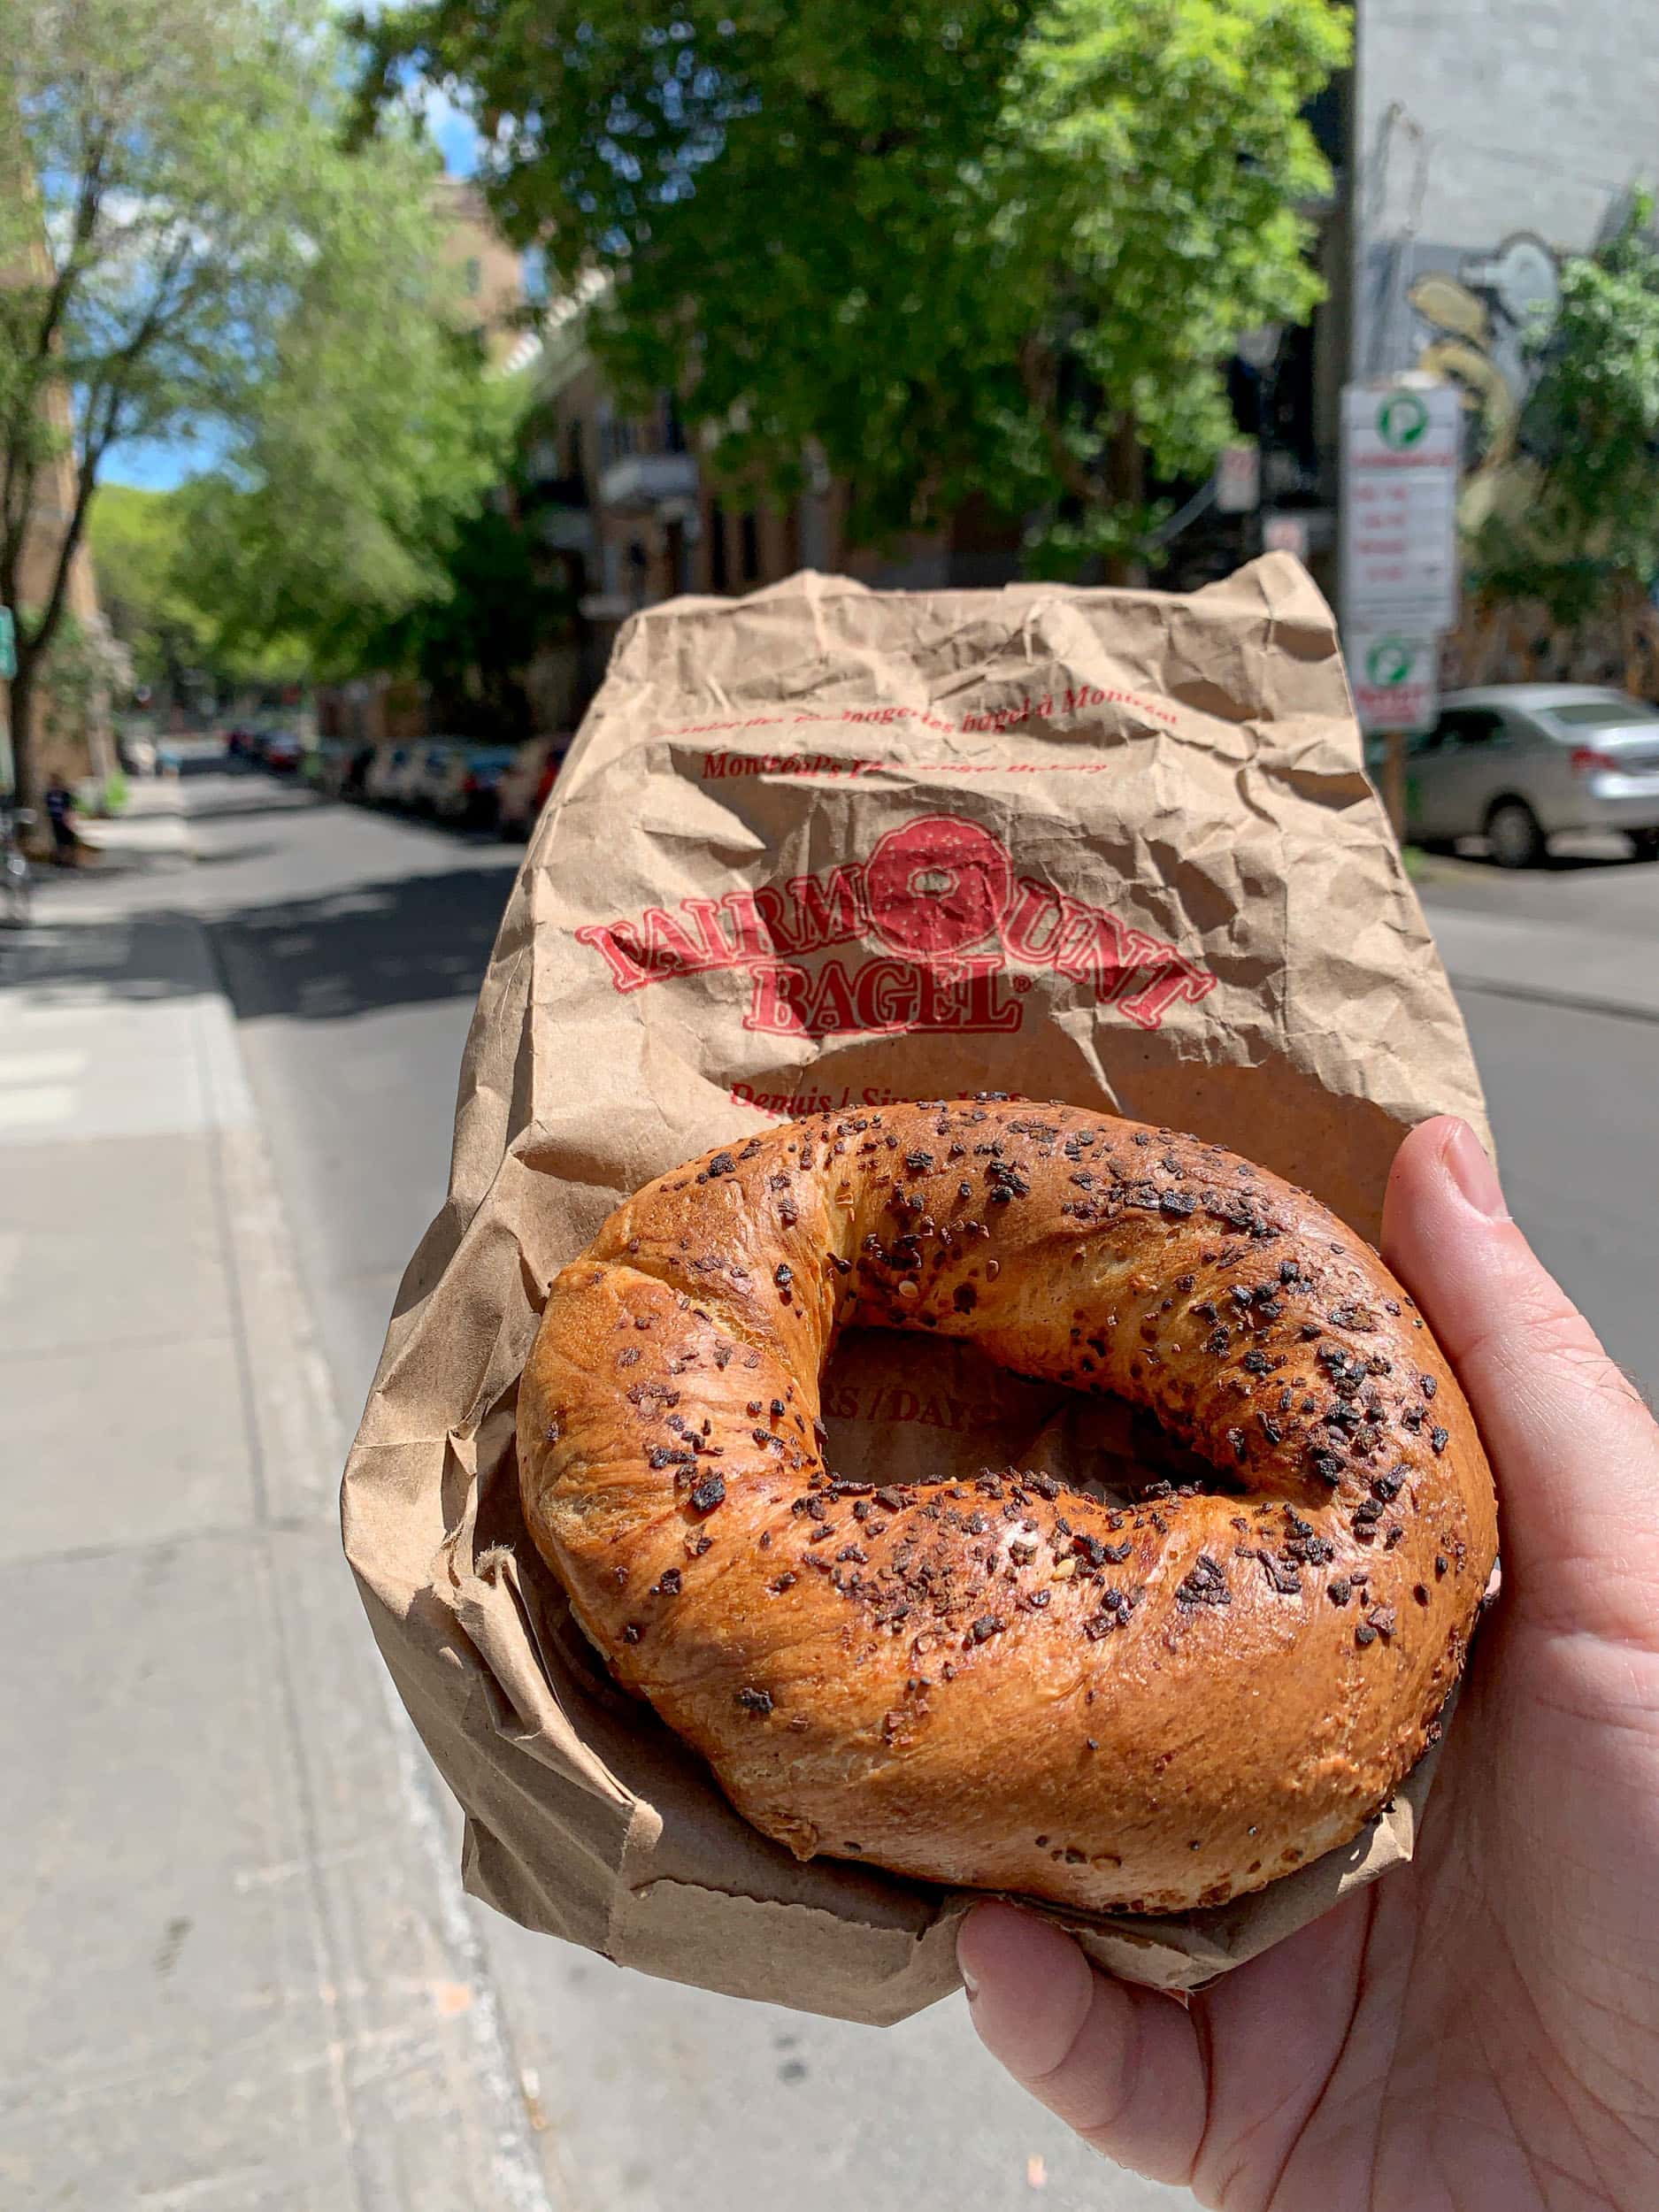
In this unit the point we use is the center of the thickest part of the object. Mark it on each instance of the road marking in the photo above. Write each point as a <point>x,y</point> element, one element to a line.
<point>41,1067</point>
<point>43,1106</point>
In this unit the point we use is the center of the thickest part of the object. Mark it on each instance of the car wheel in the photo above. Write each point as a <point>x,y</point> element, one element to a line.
<point>1646,843</point>
<point>1515,839</point>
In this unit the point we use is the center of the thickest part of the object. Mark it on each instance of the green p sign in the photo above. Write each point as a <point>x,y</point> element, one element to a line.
<point>1396,681</point>
<point>8,645</point>
<point>1390,661</point>
<point>1402,420</point>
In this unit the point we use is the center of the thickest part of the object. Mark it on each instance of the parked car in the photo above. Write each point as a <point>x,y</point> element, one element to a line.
<point>333,763</point>
<point>360,759</point>
<point>473,798</point>
<point>280,750</point>
<point>1519,764</point>
<point>389,773</point>
<point>438,767</point>
<point>523,789</point>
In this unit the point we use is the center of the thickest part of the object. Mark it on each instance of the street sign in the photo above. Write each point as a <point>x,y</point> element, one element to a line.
<point>8,645</point>
<point>1396,679</point>
<point>1287,534</point>
<point>1239,480</point>
<point>1401,459</point>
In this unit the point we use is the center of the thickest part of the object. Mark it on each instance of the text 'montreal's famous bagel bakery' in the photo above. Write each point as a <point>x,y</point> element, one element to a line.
<point>1147,1702</point>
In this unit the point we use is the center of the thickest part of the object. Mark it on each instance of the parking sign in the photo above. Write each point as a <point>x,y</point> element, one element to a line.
<point>1401,459</point>
<point>1396,681</point>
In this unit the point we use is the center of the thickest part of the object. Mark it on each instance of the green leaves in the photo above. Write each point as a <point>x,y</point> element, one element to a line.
<point>371,430</point>
<point>1576,524</point>
<point>976,248</point>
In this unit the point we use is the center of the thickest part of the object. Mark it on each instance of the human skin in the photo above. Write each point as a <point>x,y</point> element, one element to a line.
<point>1479,2031</point>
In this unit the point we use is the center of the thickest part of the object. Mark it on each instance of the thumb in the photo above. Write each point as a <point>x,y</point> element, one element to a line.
<point>1574,1450</point>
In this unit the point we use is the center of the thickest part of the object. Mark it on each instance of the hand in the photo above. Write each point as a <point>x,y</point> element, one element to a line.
<point>1479,2031</point>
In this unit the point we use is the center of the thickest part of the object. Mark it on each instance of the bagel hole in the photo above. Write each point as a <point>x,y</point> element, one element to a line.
<point>899,1408</point>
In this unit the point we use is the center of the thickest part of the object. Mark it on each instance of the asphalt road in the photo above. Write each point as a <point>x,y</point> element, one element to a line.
<point>351,945</point>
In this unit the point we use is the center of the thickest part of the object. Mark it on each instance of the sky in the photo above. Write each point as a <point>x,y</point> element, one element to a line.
<point>156,464</point>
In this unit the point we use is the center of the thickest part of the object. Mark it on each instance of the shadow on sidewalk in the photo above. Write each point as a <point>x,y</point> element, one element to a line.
<point>408,941</point>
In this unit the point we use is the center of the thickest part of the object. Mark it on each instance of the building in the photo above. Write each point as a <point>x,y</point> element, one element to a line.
<point>1440,245</point>
<point>621,501</point>
<point>491,286</point>
<point>1489,140</point>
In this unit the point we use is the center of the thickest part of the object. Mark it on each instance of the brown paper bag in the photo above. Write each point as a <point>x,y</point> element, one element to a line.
<point>824,847</point>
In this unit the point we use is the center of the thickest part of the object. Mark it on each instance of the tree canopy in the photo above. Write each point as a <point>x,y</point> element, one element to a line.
<point>374,433</point>
<point>135,536</point>
<point>1576,524</point>
<point>187,246</point>
<point>994,247</point>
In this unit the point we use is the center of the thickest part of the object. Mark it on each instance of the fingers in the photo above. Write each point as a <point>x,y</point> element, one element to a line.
<point>1574,1450</point>
<point>1122,2066</point>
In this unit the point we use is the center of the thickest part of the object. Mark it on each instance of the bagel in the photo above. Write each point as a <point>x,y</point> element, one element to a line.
<point>1138,1701</point>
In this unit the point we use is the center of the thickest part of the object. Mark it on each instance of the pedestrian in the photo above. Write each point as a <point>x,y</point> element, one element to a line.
<point>60,810</point>
<point>1481,2028</point>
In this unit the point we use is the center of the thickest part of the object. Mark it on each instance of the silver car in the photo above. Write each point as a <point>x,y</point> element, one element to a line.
<point>1517,764</point>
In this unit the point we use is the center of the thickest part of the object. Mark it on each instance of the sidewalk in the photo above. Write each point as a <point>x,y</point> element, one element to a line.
<point>1569,966</point>
<point>240,1972</point>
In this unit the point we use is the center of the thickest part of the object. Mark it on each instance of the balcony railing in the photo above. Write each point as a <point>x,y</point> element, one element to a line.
<point>640,481</point>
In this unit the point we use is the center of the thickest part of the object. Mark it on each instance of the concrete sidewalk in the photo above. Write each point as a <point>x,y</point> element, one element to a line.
<point>239,1974</point>
<point>1568,965</point>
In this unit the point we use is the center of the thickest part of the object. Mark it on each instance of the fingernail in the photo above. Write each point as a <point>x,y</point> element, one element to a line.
<point>968,1982</point>
<point>1474,1174</point>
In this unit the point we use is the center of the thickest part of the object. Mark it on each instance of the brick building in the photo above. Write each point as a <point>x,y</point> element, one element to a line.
<point>622,504</point>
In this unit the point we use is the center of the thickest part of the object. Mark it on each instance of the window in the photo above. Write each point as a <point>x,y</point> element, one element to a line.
<point>720,573</point>
<point>1602,714</point>
<point>1470,725</point>
<point>474,276</point>
<point>616,438</point>
<point>751,547</point>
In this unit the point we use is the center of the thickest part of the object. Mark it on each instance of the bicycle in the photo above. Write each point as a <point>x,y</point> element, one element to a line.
<point>16,878</point>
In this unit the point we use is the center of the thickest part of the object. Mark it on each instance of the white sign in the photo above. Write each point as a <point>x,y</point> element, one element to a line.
<point>1239,480</point>
<point>1396,681</point>
<point>1401,459</point>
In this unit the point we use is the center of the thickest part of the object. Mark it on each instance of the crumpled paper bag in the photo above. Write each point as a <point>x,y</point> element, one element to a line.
<point>826,847</point>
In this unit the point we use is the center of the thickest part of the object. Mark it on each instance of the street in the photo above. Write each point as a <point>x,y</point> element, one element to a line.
<point>249,1978</point>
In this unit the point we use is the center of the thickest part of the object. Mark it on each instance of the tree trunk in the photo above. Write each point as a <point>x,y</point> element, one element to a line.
<point>1635,617</point>
<point>21,714</point>
<point>1126,486</point>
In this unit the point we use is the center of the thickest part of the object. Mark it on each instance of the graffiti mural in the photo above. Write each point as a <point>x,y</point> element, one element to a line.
<point>1473,322</point>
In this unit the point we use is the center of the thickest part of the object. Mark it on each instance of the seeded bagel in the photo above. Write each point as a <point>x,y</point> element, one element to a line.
<point>1144,1701</point>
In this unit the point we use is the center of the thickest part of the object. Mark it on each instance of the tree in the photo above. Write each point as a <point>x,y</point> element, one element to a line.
<point>473,639</point>
<point>996,247</point>
<point>136,541</point>
<point>88,667</point>
<point>375,431</point>
<point>1576,524</point>
<point>148,233</point>
<point>188,248</point>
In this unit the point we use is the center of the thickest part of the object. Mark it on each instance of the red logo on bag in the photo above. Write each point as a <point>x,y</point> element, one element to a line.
<point>941,897</point>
